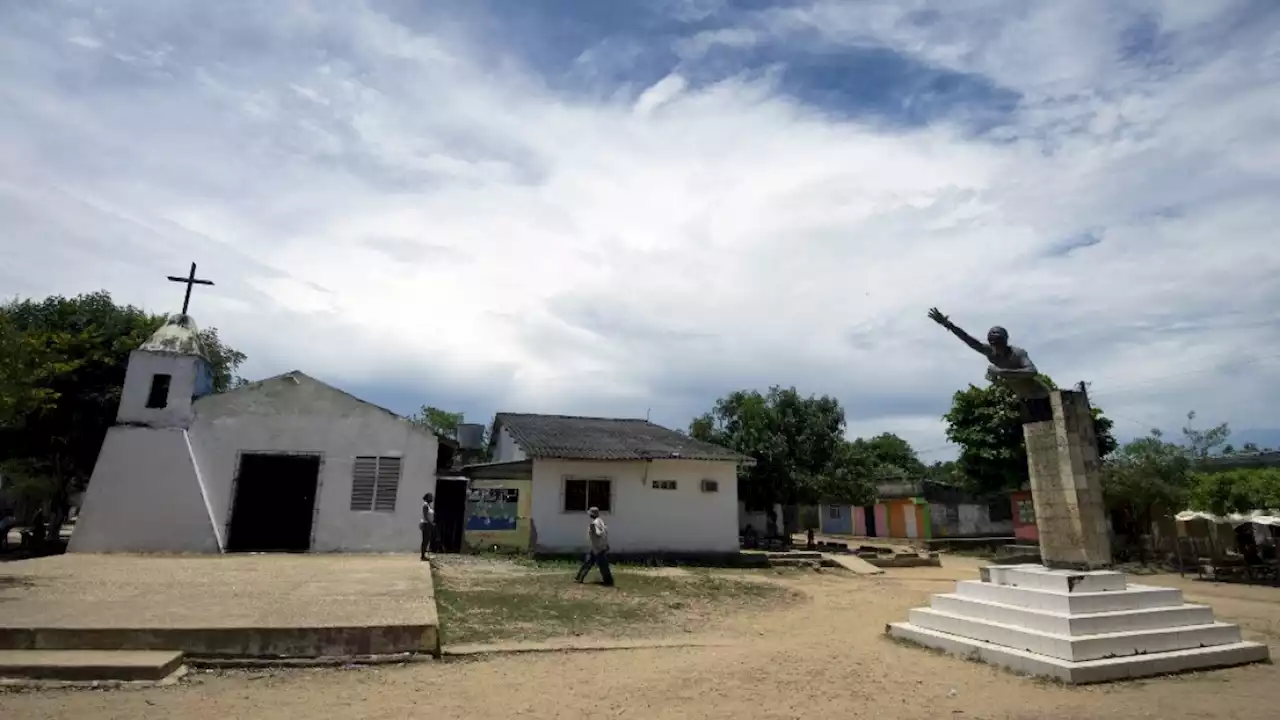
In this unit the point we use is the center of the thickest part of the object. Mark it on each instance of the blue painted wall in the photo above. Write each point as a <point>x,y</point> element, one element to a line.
<point>842,525</point>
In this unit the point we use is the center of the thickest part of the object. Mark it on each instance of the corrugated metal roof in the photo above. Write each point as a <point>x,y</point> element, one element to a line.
<point>590,438</point>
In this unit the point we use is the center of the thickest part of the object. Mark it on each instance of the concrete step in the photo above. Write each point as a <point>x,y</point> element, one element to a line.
<point>1074,625</point>
<point>1076,649</point>
<point>88,665</point>
<point>1091,671</point>
<point>1039,577</point>
<point>1133,597</point>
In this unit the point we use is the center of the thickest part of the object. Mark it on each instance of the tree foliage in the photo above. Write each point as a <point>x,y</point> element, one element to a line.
<point>1201,444</point>
<point>797,442</point>
<point>1240,490</point>
<point>1147,472</point>
<point>441,422</point>
<point>61,391</point>
<point>890,457</point>
<point>986,422</point>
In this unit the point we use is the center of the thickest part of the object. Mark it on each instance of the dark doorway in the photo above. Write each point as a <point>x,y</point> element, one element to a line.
<point>869,516</point>
<point>274,504</point>
<point>451,510</point>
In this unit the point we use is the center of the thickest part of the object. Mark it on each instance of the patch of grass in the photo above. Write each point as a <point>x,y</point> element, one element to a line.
<point>489,600</point>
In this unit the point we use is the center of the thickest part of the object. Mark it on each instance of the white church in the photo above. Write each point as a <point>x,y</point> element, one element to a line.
<point>285,464</point>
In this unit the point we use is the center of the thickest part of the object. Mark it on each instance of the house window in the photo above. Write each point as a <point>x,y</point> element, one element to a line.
<point>664,484</point>
<point>1026,512</point>
<point>581,494</point>
<point>159,395</point>
<point>1000,510</point>
<point>374,483</point>
<point>833,512</point>
<point>710,486</point>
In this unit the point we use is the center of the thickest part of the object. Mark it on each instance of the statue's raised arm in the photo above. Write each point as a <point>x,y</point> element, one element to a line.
<point>936,315</point>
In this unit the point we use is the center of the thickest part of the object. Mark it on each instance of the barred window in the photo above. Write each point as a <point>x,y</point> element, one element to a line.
<point>581,494</point>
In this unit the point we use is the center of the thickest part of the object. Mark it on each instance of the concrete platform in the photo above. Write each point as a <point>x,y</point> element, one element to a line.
<point>89,665</point>
<point>227,606</point>
<point>1075,626</point>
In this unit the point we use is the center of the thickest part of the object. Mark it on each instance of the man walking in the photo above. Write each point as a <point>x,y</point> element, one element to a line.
<point>428,524</point>
<point>598,534</point>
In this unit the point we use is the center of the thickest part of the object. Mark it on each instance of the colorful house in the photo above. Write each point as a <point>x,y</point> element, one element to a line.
<point>903,518</point>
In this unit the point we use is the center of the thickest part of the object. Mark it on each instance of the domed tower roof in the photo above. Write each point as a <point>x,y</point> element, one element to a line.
<point>179,335</point>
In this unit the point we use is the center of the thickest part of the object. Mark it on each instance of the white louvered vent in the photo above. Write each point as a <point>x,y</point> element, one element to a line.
<point>375,482</point>
<point>384,497</point>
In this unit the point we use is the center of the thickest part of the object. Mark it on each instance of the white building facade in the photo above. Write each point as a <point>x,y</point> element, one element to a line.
<point>658,490</point>
<point>285,464</point>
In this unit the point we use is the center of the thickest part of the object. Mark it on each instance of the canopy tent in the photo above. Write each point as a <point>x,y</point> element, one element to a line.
<point>1257,517</point>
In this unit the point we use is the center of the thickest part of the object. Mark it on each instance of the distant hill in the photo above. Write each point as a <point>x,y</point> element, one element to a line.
<point>1262,437</point>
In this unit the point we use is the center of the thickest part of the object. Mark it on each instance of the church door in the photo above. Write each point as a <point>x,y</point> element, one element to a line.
<point>274,506</point>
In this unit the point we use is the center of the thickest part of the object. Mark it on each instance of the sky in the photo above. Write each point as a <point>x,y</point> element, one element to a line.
<point>636,207</point>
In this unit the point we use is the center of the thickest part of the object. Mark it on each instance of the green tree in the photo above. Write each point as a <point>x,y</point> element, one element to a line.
<point>62,396</point>
<point>986,422</point>
<point>1147,473</point>
<point>1240,490</point>
<point>797,442</point>
<point>890,456</point>
<point>440,422</point>
<point>1202,443</point>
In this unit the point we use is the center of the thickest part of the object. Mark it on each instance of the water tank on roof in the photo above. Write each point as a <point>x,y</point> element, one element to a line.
<point>470,436</point>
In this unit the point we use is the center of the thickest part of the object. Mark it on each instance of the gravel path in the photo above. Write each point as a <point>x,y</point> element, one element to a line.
<point>825,657</point>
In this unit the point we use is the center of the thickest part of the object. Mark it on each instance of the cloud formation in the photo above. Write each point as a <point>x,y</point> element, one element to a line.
<point>614,208</point>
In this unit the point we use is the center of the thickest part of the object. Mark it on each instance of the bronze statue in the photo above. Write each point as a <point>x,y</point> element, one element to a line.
<point>1010,365</point>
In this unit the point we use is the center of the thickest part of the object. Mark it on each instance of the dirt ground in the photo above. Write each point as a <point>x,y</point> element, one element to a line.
<point>824,656</point>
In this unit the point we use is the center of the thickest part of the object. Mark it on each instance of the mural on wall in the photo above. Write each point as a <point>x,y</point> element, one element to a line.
<point>492,508</point>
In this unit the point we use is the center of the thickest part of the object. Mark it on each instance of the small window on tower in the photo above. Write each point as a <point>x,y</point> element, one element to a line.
<point>159,395</point>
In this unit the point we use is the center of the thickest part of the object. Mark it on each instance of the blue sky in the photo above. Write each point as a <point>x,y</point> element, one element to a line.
<point>629,207</point>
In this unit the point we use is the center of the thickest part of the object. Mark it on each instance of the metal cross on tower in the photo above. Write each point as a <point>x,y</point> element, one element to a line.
<point>190,280</point>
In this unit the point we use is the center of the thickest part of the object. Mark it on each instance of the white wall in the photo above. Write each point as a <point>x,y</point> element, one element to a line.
<point>282,416</point>
<point>143,365</point>
<point>643,519</point>
<point>144,496</point>
<point>507,450</point>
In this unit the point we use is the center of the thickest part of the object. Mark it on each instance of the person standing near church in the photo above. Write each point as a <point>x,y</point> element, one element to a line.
<point>598,534</point>
<point>428,524</point>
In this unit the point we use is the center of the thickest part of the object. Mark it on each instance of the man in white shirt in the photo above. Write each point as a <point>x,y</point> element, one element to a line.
<point>598,534</point>
<point>428,524</point>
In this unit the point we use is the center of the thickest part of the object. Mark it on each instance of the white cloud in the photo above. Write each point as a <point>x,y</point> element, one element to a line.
<point>378,202</point>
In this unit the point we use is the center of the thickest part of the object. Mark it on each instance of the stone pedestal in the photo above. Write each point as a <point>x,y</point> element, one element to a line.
<point>1066,485</point>
<point>1078,627</point>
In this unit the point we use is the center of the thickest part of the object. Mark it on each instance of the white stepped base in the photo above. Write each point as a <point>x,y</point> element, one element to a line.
<point>1078,647</point>
<point>1057,623</point>
<point>1135,597</point>
<point>1088,671</point>
<point>1079,627</point>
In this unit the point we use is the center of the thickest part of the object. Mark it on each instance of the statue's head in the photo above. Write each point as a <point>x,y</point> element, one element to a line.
<point>998,338</point>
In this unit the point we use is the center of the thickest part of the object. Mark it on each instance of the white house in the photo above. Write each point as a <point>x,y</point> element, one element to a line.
<point>659,491</point>
<point>285,464</point>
